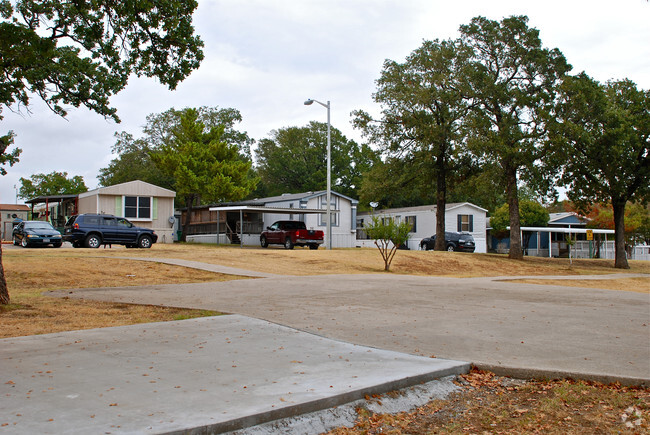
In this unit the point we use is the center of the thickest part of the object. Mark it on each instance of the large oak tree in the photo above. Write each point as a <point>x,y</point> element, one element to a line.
<point>423,106</point>
<point>513,83</point>
<point>205,167</point>
<point>605,133</point>
<point>134,162</point>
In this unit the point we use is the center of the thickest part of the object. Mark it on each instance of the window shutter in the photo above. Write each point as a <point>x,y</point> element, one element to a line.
<point>118,206</point>
<point>460,222</point>
<point>154,211</point>
<point>471,223</point>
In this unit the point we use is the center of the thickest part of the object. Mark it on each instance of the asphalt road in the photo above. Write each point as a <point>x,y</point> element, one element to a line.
<point>512,328</point>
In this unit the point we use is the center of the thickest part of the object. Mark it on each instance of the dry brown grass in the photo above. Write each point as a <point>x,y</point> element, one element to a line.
<point>302,261</point>
<point>31,272</point>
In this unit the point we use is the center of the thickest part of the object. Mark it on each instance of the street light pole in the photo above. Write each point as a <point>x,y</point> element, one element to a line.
<point>329,172</point>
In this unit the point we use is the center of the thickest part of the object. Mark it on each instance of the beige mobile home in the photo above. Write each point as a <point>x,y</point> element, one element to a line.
<point>144,204</point>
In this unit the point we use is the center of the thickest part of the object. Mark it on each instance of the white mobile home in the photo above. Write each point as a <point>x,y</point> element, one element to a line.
<point>463,216</point>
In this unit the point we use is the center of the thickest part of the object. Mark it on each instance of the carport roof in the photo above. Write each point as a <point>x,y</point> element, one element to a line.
<point>51,198</point>
<point>278,210</point>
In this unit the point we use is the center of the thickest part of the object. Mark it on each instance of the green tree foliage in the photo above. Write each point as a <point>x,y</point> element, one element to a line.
<point>513,82</point>
<point>81,53</point>
<point>604,133</point>
<point>8,157</point>
<point>134,162</point>
<point>480,187</point>
<point>388,237</point>
<point>294,159</point>
<point>54,183</point>
<point>423,106</point>
<point>531,213</point>
<point>204,166</point>
<point>393,183</point>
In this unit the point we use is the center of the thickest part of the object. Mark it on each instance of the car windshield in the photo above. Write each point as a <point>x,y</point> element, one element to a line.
<point>38,226</point>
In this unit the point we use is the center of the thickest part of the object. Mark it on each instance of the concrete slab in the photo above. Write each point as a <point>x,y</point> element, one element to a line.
<point>208,375</point>
<point>509,327</point>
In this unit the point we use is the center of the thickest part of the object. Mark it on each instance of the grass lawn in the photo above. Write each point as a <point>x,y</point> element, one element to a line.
<point>486,404</point>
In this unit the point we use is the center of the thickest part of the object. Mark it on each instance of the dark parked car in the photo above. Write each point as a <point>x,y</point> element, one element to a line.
<point>36,233</point>
<point>93,230</point>
<point>463,242</point>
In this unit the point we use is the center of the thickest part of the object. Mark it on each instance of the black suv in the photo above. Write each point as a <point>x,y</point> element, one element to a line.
<point>463,242</point>
<point>93,230</point>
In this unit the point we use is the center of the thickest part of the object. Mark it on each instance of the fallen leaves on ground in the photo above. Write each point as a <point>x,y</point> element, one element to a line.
<point>497,405</point>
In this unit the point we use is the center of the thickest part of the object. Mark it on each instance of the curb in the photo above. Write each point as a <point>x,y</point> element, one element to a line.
<point>545,374</point>
<point>323,404</point>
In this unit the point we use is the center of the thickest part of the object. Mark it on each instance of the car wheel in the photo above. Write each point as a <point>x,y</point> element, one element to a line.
<point>288,244</point>
<point>57,245</point>
<point>313,246</point>
<point>24,243</point>
<point>145,242</point>
<point>450,248</point>
<point>76,245</point>
<point>264,242</point>
<point>93,241</point>
<point>16,242</point>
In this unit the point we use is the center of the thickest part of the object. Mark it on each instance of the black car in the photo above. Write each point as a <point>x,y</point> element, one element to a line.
<point>93,230</point>
<point>463,242</point>
<point>36,233</point>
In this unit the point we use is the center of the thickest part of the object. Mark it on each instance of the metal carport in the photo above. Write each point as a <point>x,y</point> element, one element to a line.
<point>262,209</point>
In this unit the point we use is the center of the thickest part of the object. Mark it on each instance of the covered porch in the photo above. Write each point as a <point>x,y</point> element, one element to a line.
<point>240,224</point>
<point>55,209</point>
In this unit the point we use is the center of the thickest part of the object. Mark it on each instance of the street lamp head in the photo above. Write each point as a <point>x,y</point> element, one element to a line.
<point>309,102</point>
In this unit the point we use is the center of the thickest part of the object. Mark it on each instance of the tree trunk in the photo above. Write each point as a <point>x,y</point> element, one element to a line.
<point>441,204</point>
<point>4,292</point>
<point>620,261</point>
<point>513,204</point>
<point>188,217</point>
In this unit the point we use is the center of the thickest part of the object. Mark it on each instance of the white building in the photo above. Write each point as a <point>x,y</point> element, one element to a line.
<point>463,216</point>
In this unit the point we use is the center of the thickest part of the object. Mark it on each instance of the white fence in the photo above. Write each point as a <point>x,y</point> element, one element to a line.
<point>582,249</point>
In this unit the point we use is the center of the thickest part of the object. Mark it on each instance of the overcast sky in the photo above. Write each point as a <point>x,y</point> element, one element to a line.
<point>266,57</point>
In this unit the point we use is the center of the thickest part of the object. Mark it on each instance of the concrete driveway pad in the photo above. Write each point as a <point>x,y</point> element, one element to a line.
<point>524,329</point>
<point>207,375</point>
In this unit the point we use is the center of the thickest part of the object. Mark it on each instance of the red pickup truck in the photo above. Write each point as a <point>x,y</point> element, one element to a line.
<point>290,234</point>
